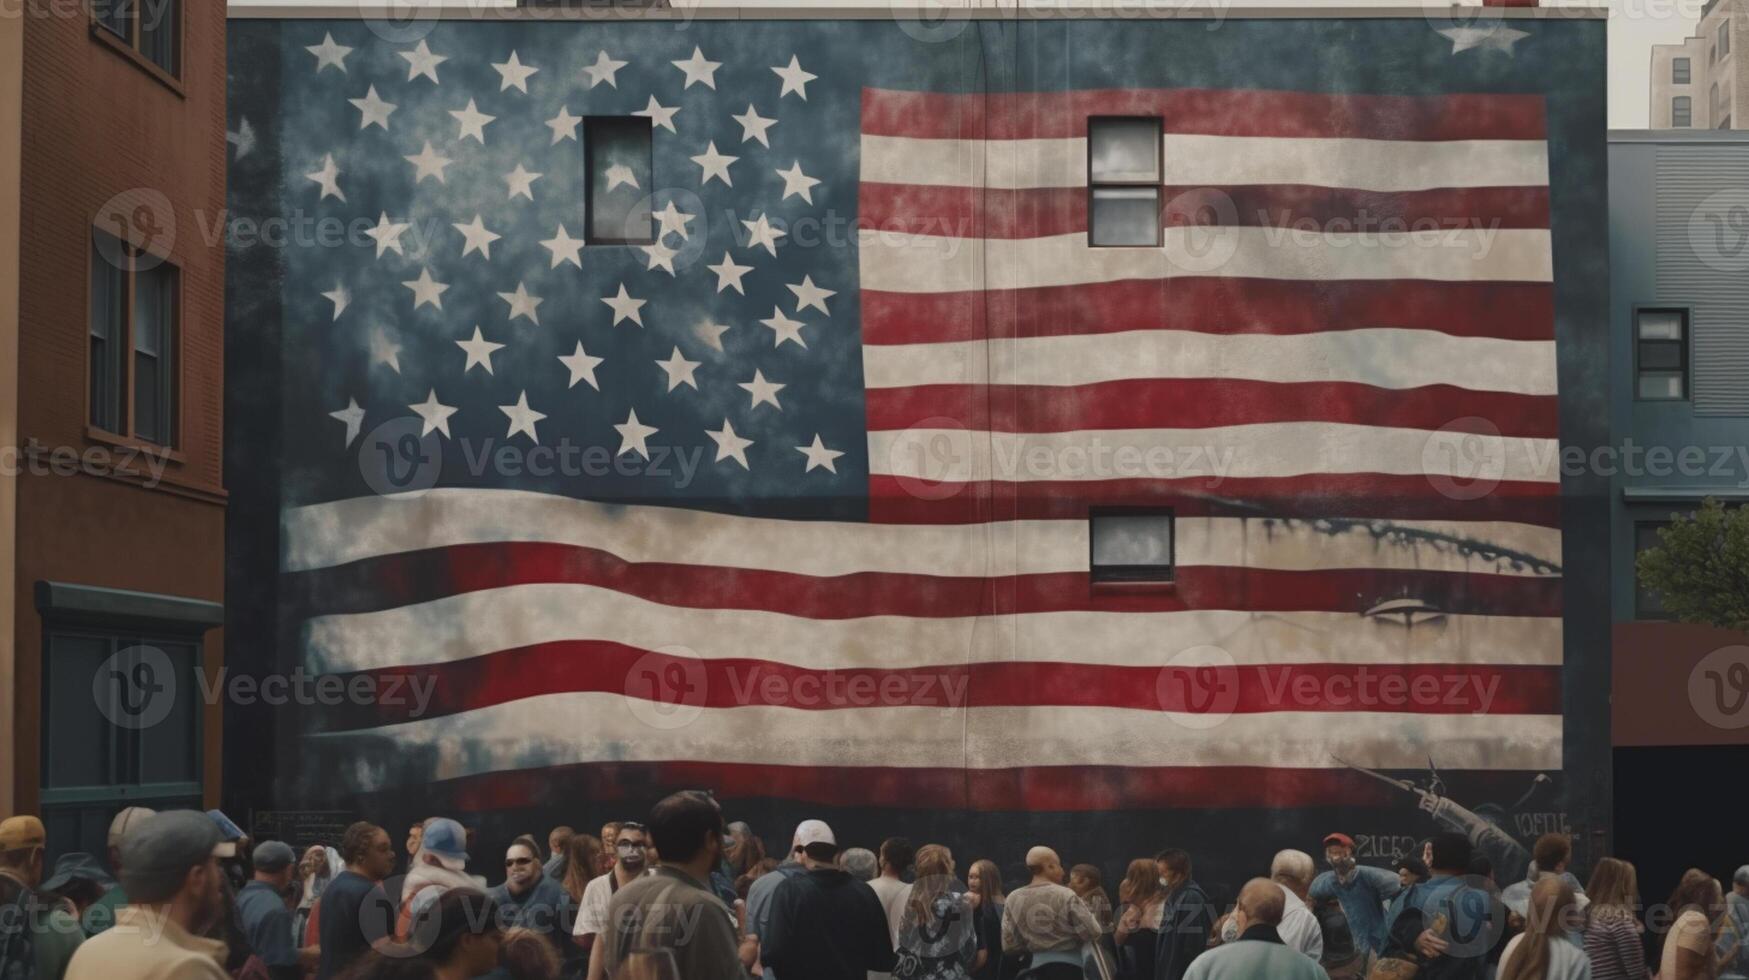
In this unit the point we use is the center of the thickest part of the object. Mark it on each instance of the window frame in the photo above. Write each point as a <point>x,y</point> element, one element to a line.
<point>1723,38</point>
<point>649,131</point>
<point>131,45</point>
<point>1132,575</point>
<point>1681,71</point>
<point>125,417</point>
<point>1684,344</point>
<point>1682,106</point>
<point>1157,185</point>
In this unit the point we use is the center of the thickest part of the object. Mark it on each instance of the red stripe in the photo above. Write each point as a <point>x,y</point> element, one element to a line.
<point>1213,112</point>
<point>1079,789</point>
<point>1357,496</point>
<point>972,212</point>
<point>411,577</point>
<point>570,666</point>
<point>1503,310</point>
<point>1201,403</point>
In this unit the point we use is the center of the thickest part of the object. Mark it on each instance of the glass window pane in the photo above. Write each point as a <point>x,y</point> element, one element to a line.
<point>1679,71</point>
<point>108,328</point>
<point>161,32</point>
<point>1666,384</point>
<point>76,735</point>
<point>1124,149</point>
<point>1125,216</point>
<point>170,749</point>
<point>115,16</point>
<point>1131,541</point>
<point>1660,325</point>
<point>1660,355</point>
<point>619,153</point>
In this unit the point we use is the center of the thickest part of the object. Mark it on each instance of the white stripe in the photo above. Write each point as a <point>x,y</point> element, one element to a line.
<point>1281,449</point>
<point>324,535</point>
<point>560,729</point>
<point>1384,357</point>
<point>1215,161</point>
<point>477,623</point>
<point>896,261</point>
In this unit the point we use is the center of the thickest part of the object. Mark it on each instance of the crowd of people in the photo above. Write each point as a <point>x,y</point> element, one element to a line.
<point>685,896</point>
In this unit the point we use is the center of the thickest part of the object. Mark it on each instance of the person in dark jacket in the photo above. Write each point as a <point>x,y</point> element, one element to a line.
<point>826,925</point>
<point>262,916</point>
<point>1447,924</point>
<point>1185,921</point>
<point>531,899</point>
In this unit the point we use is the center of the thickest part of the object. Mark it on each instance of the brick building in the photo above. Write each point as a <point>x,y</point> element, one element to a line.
<point>112,506</point>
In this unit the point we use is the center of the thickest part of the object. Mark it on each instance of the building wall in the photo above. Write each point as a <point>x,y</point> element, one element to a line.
<point>11,105</point>
<point>1665,89</point>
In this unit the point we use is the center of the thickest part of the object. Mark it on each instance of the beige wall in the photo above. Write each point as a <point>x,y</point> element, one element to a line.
<point>11,113</point>
<point>1707,69</point>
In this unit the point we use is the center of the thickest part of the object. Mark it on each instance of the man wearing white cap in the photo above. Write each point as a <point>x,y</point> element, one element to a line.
<point>824,924</point>
<point>101,913</point>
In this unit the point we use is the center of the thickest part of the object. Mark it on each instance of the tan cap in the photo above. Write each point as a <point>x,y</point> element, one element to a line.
<point>128,817</point>
<point>20,833</point>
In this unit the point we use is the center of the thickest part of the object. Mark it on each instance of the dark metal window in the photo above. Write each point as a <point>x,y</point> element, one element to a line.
<point>151,27</point>
<point>1680,71</point>
<point>1682,112</point>
<point>1124,181</point>
<point>617,156</point>
<point>1131,545</point>
<point>1647,604</point>
<point>135,312</point>
<point>1661,354</point>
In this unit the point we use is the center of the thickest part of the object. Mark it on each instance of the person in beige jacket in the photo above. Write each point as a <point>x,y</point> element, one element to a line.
<point>170,870</point>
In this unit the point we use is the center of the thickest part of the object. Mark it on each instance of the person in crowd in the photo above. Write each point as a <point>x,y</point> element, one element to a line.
<point>1293,871</point>
<point>459,934</point>
<point>79,879</point>
<point>318,867</point>
<point>984,889</point>
<point>1140,899</point>
<point>262,915</point>
<point>1732,939</point>
<point>529,899</point>
<point>354,911</point>
<point>1411,871</point>
<point>760,891</point>
<point>1689,952</point>
<point>744,884</point>
<point>1186,919</point>
<point>1548,858</point>
<point>1258,951</point>
<point>824,924</point>
<point>440,864</point>
<point>170,868</point>
<point>582,857</point>
<point>1363,892</point>
<point>861,862</point>
<point>746,850</point>
<point>101,914</point>
<point>673,908</point>
<point>38,937</point>
<point>1086,881</point>
<point>1613,932</point>
<point>415,836</point>
<point>1046,920</point>
<point>938,939</point>
<point>227,928</point>
<point>557,838</point>
<point>528,955</point>
<point>609,846</point>
<point>1543,950</point>
<point>896,856</point>
<point>1445,925</point>
<point>1343,960</point>
<point>628,865</point>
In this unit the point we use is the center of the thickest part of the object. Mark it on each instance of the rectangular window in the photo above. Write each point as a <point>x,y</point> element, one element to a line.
<point>155,304</point>
<point>1682,112</point>
<point>1661,355</point>
<point>1724,39</point>
<point>109,328</point>
<point>1679,71</point>
<point>1646,602</point>
<point>135,312</point>
<point>1124,181</point>
<point>151,27</point>
<point>617,154</point>
<point>1131,545</point>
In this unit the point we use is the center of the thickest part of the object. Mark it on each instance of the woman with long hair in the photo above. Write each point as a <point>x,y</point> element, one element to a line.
<point>1545,949</point>
<point>1140,899</point>
<point>984,889</point>
<point>582,858</point>
<point>1688,952</point>
<point>937,936</point>
<point>1612,928</point>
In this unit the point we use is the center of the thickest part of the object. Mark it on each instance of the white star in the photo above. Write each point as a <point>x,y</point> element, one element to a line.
<point>522,418</point>
<point>783,328</point>
<point>329,178</point>
<point>435,415</point>
<point>679,370</point>
<point>761,390</point>
<point>796,182</point>
<point>794,79</point>
<point>1497,37</point>
<point>729,274</point>
<point>387,235</point>
<point>521,182</point>
<point>619,174</point>
<point>674,220</point>
<point>659,255</point>
<point>522,303</point>
<point>564,248</point>
<point>715,164</point>
<point>602,70</point>
<point>564,125</point>
<point>632,435</point>
<point>340,296</point>
<point>514,73</point>
<point>373,111</point>
<point>819,455</point>
<point>730,445</point>
<point>428,163</point>
<point>699,70</point>
<point>328,54</point>
<point>353,416</point>
<point>808,294</point>
<point>753,126</point>
<point>582,367</point>
<point>478,238</point>
<point>624,307</point>
<point>479,351</point>
<point>761,232</point>
<point>384,350</point>
<point>426,290</point>
<point>420,61</point>
<point>659,114</point>
<point>710,334</point>
<point>473,122</point>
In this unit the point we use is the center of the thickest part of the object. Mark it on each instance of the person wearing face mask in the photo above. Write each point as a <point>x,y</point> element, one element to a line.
<point>1362,891</point>
<point>1258,951</point>
<point>672,912</point>
<point>631,860</point>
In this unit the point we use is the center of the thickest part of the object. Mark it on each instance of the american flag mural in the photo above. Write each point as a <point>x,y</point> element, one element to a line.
<point>794,502</point>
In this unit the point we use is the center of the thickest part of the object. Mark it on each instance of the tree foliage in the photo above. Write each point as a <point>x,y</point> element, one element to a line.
<point>1700,569</point>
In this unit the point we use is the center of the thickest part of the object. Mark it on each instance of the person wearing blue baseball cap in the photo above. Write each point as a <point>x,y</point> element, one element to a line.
<point>440,864</point>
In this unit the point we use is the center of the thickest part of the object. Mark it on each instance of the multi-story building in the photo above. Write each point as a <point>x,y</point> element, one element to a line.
<point>1697,84</point>
<point>112,507</point>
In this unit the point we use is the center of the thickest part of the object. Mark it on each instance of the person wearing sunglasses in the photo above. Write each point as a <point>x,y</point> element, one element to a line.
<point>630,860</point>
<point>531,899</point>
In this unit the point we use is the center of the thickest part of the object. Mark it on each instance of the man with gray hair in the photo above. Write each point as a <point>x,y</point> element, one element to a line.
<point>1258,951</point>
<point>860,862</point>
<point>1293,871</point>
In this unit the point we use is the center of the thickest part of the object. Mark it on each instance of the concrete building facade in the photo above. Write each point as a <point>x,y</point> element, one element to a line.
<point>1697,84</point>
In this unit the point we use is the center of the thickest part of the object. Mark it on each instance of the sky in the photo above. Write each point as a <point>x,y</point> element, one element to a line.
<point>1634,26</point>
